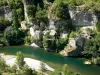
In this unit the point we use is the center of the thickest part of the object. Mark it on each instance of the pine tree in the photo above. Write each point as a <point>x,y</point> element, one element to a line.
<point>15,23</point>
<point>20,59</point>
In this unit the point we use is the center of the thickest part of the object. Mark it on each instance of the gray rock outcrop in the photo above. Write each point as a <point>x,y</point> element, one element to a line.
<point>82,18</point>
<point>6,12</point>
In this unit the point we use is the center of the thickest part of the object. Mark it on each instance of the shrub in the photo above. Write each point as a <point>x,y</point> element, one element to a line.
<point>62,11</point>
<point>12,4</point>
<point>15,4</point>
<point>20,59</point>
<point>2,64</point>
<point>98,26</point>
<point>14,37</point>
<point>73,34</point>
<point>20,13</point>
<point>4,23</point>
<point>31,10</point>
<point>3,3</point>
<point>42,15</point>
<point>28,40</point>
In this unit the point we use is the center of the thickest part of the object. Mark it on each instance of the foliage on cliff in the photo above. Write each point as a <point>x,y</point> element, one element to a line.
<point>92,49</point>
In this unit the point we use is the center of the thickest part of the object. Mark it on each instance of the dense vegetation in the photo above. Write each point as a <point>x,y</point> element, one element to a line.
<point>92,49</point>
<point>13,35</point>
<point>57,10</point>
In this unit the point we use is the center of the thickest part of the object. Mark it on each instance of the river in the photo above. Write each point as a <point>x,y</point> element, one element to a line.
<point>54,60</point>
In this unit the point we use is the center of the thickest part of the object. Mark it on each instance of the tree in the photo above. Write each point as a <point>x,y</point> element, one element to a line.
<point>98,26</point>
<point>65,69</point>
<point>20,59</point>
<point>43,68</point>
<point>27,70</point>
<point>4,23</point>
<point>73,34</point>
<point>12,4</point>
<point>42,15</point>
<point>2,65</point>
<point>20,13</point>
<point>92,50</point>
<point>62,11</point>
<point>45,43</point>
<point>12,34</point>
<point>15,23</point>
<point>31,10</point>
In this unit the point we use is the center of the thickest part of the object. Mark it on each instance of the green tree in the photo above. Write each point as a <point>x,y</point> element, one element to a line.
<point>3,2</point>
<point>98,26</point>
<point>45,43</point>
<point>42,15</point>
<point>92,50</point>
<point>15,23</point>
<point>4,23</point>
<point>31,10</point>
<point>20,13</point>
<point>43,68</point>
<point>13,35</point>
<point>12,4</point>
<point>73,34</point>
<point>2,65</point>
<point>62,11</point>
<point>20,59</point>
<point>27,70</point>
<point>65,69</point>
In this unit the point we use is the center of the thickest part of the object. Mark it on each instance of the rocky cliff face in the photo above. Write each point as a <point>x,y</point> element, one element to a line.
<point>82,18</point>
<point>6,12</point>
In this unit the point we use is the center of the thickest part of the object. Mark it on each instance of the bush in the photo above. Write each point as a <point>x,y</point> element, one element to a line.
<point>2,64</point>
<point>42,15</point>
<point>20,59</point>
<point>14,37</point>
<point>4,23</point>
<point>28,40</point>
<point>15,4</point>
<point>3,3</point>
<point>12,4</point>
<point>31,10</point>
<point>73,34</point>
<point>92,50</point>
<point>62,11</point>
<point>98,26</point>
<point>20,13</point>
<point>73,3</point>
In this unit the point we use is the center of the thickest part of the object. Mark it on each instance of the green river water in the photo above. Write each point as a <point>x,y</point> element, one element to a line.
<point>54,60</point>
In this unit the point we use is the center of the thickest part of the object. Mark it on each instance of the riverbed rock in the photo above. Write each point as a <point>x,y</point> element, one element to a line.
<point>88,62</point>
<point>34,45</point>
<point>23,25</point>
<point>36,34</point>
<point>74,47</point>
<point>1,45</point>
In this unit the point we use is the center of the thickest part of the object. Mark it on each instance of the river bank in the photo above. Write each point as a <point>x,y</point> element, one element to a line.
<point>32,63</point>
